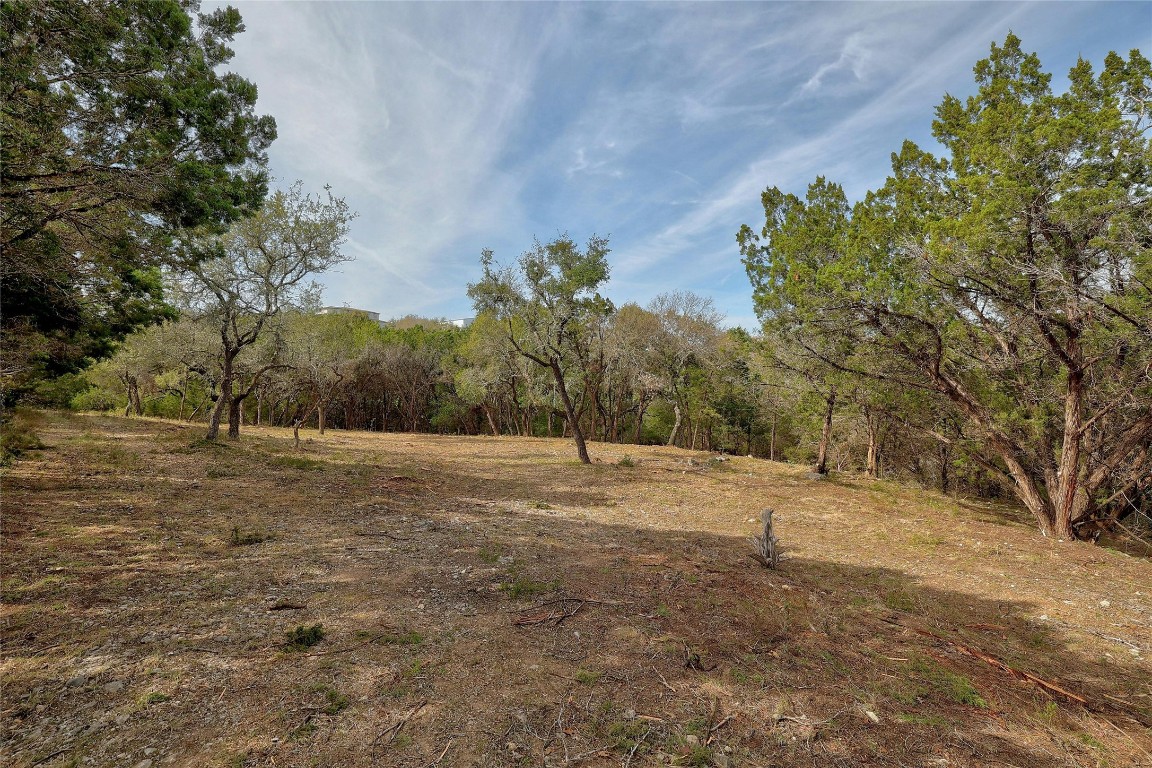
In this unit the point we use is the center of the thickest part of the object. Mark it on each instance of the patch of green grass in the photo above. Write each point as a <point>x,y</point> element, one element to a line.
<point>334,701</point>
<point>522,586</point>
<point>117,457</point>
<point>242,538</point>
<point>934,721</point>
<point>306,729</point>
<point>1090,741</point>
<point>1047,714</point>
<point>692,753</point>
<point>1038,639</point>
<point>949,684</point>
<point>541,505</point>
<point>587,677</point>
<point>303,637</point>
<point>663,611</point>
<point>900,600</point>
<point>153,698</point>
<point>925,541</point>
<point>627,736</point>
<point>627,461</point>
<point>297,462</point>
<point>489,554</point>
<point>18,435</point>
<point>743,677</point>
<point>404,684</point>
<point>411,637</point>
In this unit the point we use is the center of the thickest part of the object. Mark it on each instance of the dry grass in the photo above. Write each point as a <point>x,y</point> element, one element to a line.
<point>490,602</point>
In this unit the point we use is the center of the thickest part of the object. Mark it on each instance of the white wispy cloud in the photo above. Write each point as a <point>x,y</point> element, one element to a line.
<point>450,127</point>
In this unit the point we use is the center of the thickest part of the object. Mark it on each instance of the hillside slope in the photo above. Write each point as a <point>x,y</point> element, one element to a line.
<point>491,602</point>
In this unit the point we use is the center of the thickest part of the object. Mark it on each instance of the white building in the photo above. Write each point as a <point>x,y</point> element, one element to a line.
<point>374,316</point>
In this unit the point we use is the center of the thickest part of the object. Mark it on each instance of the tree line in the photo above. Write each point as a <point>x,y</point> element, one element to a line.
<point>981,322</point>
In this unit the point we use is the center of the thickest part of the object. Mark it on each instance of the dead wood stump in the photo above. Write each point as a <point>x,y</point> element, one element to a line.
<point>765,544</point>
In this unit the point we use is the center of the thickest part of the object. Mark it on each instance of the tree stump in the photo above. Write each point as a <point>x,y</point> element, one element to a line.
<point>765,544</point>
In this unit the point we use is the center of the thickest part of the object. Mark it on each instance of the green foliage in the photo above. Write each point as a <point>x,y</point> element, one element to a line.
<point>18,434</point>
<point>155,697</point>
<point>549,302</point>
<point>334,701</point>
<point>944,682</point>
<point>241,537</point>
<point>627,736</point>
<point>302,637</point>
<point>977,295</point>
<point>587,677</point>
<point>120,129</point>
<point>411,637</point>
<point>522,586</point>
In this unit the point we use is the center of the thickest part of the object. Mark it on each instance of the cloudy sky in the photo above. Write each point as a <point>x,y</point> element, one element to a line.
<point>452,127</point>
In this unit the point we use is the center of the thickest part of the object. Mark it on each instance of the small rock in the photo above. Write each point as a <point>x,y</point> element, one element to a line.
<point>815,476</point>
<point>114,687</point>
<point>147,763</point>
<point>872,716</point>
<point>149,751</point>
<point>692,740</point>
<point>505,559</point>
<point>121,719</point>
<point>77,682</point>
<point>1104,603</point>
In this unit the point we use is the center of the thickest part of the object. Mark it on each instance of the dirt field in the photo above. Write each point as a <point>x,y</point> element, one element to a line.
<point>491,602</point>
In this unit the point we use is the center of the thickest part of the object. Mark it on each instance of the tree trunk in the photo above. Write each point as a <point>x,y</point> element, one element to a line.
<point>1065,503</point>
<point>640,421</point>
<point>825,435</point>
<point>570,411</point>
<point>772,440</point>
<point>945,460</point>
<point>675,425</point>
<point>491,421</point>
<point>235,411</point>
<point>222,401</point>
<point>320,418</point>
<point>873,468</point>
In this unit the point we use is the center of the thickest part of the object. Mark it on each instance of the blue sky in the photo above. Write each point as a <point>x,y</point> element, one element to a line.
<point>452,127</point>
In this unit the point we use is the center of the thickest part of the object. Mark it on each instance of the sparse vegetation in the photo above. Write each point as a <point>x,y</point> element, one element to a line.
<point>523,586</point>
<point>242,537</point>
<point>663,629</point>
<point>302,637</point>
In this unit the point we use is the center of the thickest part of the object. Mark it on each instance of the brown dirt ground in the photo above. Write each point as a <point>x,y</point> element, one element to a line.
<point>491,602</point>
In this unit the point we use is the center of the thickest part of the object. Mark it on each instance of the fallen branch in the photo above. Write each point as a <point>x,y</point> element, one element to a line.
<point>1046,685</point>
<point>557,616</point>
<point>554,616</point>
<point>437,760</point>
<point>394,729</point>
<point>663,681</point>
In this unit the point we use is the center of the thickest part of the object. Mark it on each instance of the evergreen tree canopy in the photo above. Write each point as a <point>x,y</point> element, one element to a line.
<point>118,129</point>
<point>1011,279</point>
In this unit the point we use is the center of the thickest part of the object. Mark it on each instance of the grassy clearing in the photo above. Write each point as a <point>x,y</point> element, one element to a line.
<point>412,600</point>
